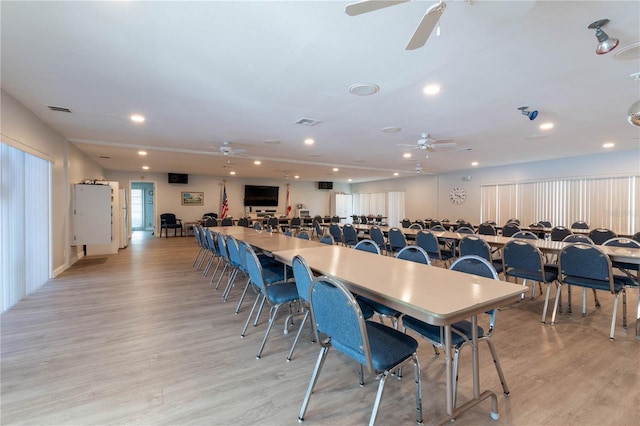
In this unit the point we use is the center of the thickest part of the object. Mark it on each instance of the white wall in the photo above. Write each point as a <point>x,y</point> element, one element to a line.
<point>428,196</point>
<point>69,166</point>
<point>168,195</point>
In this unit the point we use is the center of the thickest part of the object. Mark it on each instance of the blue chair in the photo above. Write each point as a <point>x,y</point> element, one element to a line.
<point>405,223</point>
<point>349,235</point>
<point>336,233</point>
<point>317,228</point>
<point>559,233</point>
<point>429,242</point>
<point>461,331</point>
<point>377,235</point>
<point>465,230</point>
<point>579,224</point>
<point>368,245</point>
<point>288,233</point>
<point>257,226</point>
<point>396,240</point>
<point>327,239</point>
<point>600,235</point>
<point>524,260</point>
<point>237,265</point>
<point>303,276</point>
<point>414,254</point>
<point>487,229</point>
<point>527,235</point>
<point>303,235</point>
<point>221,243</point>
<point>227,221</point>
<point>579,238</point>
<point>340,324</point>
<point>275,295</point>
<point>243,221</point>
<point>210,221</point>
<point>509,229</point>
<point>169,221</point>
<point>585,265</point>
<point>472,245</point>
<point>201,246</point>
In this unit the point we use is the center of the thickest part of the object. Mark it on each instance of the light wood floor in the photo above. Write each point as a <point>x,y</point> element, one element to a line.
<point>142,338</point>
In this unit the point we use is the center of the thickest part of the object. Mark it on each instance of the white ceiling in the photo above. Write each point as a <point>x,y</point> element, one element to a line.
<point>207,72</point>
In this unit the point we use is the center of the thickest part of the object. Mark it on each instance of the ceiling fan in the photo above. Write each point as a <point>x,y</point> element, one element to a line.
<point>226,149</point>
<point>422,32</point>
<point>426,142</point>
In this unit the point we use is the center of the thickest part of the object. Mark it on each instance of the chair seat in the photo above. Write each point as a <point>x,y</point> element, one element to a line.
<point>388,346</point>
<point>283,292</point>
<point>432,332</point>
<point>550,273</point>
<point>273,274</point>
<point>379,307</point>
<point>619,282</point>
<point>497,264</point>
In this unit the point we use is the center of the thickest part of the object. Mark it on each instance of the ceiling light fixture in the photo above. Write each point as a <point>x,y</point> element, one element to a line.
<point>531,114</point>
<point>145,167</point>
<point>546,126</point>
<point>335,169</point>
<point>257,162</point>
<point>137,118</point>
<point>296,177</point>
<point>390,129</point>
<point>232,173</point>
<point>475,163</point>
<point>407,155</point>
<point>309,141</point>
<point>431,89</point>
<point>605,44</point>
<point>634,114</point>
<point>349,180</point>
<point>608,145</point>
<point>364,89</point>
<point>142,152</point>
<point>396,174</point>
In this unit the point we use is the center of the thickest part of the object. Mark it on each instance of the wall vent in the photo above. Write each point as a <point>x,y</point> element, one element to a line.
<point>59,109</point>
<point>308,122</point>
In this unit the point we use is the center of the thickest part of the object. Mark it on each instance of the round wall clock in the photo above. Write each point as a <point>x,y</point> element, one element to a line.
<point>457,195</point>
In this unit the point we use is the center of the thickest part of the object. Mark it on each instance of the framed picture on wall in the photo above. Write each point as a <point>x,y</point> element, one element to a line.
<point>192,198</point>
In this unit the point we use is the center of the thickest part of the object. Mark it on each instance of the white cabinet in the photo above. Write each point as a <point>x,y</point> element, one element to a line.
<point>96,218</point>
<point>342,206</point>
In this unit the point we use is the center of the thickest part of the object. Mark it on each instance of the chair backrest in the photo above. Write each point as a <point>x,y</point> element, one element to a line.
<point>513,220</point>
<point>406,223</point>
<point>434,222</point>
<point>377,235</point>
<point>363,219</point>
<point>636,236</point>
<point>196,234</point>
<point>600,235</point>
<point>622,242</point>
<point>414,254</point>
<point>509,229</point>
<point>257,226</point>
<point>336,232</point>
<point>234,252</point>
<point>545,223</point>
<point>475,265</point>
<point>559,233</point>
<point>397,239</point>
<point>465,230</point>
<point>318,228</point>
<point>288,233</point>
<point>438,228</point>
<point>525,234</point>
<point>208,239</point>
<point>213,215</point>
<point>243,221</point>
<point>349,234</point>
<point>302,275</point>
<point>222,246</point>
<point>304,235</point>
<point>579,224</point>
<point>579,261</point>
<point>168,219</point>
<point>227,221</point>
<point>487,229</point>
<point>472,245</point>
<point>295,222</point>
<point>464,224</point>
<point>327,239</point>
<point>522,255</point>
<point>367,245</point>
<point>335,219</point>
<point>272,222</point>
<point>577,238</point>
<point>336,314</point>
<point>415,226</point>
<point>210,221</point>
<point>254,269</point>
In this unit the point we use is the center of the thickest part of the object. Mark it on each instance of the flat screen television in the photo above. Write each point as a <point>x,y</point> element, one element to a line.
<point>255,195</point>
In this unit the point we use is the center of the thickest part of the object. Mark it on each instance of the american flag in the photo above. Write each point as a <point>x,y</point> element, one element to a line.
<point>225,203</point>
<point>288,202</point>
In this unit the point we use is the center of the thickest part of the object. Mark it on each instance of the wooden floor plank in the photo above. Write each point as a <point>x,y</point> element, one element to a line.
<point>142,338</point>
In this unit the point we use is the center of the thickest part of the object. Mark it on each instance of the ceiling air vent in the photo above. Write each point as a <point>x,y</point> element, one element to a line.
<point>59,109</point>
<point>307,122</point>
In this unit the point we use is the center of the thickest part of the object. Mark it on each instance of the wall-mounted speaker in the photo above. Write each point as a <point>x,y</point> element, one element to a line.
<point>178,178</point>
<point>325,185</point>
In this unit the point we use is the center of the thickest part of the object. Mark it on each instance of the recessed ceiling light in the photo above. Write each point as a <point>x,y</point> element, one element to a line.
<point>257,162</point>
<point>145,167</point>
<point>296,177</point>
<point>350,180</point>
<point>546,126</point>
<point>309,141</point>
<point>363,89</point>
<point>137,118</point>
<point>431,89</point>
<point>232,173</point>
<point>142,152</point>
<point>390,129</point>
<point>475,163</point>
<point>608,145</point>
<point>335,169</point>
<point>396,174</point>
<point>407,155</point>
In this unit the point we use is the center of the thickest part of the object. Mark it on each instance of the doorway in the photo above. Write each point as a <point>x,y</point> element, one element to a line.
<point>142,206</point>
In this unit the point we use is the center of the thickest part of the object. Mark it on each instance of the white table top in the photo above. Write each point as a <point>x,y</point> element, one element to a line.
<point>432,294</point>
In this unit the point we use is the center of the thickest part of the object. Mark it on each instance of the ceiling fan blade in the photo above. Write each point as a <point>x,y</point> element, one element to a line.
<point>426,26</point>
<point>365,6</point>
<point>444,144</point>
<point>238,151</point>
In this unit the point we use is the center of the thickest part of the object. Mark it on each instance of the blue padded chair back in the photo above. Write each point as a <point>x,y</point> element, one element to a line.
<point>227,222</point>
<point>234,252</point>
<point>196,234</point>
<point>433,222</point>
<point>406,223</point>
<point>295,222</point>
<point>204,235</point>
<point>545,223</point>
<point>513,220</point>
<point>337,314</point>
<point>585,263</point>
<point>335,232</point>
<point>438,228</point>
<point>211,238</point>
<point>465,230</point>
<point>318,228</point>
<point>254,269</point>
<point>396,239</point>
<point>303,276</point>
<point>487,229</point>
<point>243,221</point>
<point>428,242</point>
<point>475,265</point>
<point>509,229</point>
<point>415,226</point>
<point>414,254</point>
<point>559,233</point>
<point>577,238</point>
<point>636,236</point>
<point>600,235</point>
<point>527,235</point>
<point>579,224</point>
<point>335,219</point>
<point>272,222</point>
<point>303,235</point>
<point>521,254</point>
<point>327,239</point>
<point>210,221</point>
<point>257,226</point>
<point>376,235</point>
<point>627,243</point>
<point>168,218</point>
<point>475,246</point>
<point>349,234</point>
<point>222,247</point>
<point>288,233</point>
<point>368,245</point>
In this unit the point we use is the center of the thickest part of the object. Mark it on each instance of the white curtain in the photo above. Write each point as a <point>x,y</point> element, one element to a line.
<point>606,202</point>
<point>395,212</point>
<point>25,212</point>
